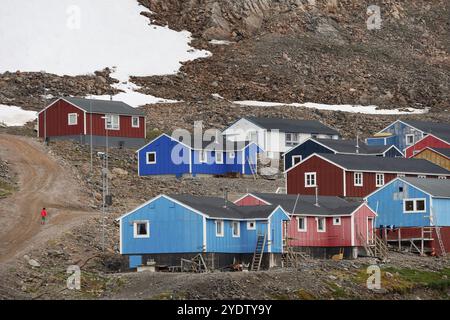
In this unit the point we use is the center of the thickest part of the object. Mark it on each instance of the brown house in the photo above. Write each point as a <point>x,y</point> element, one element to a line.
<point>439,156</point>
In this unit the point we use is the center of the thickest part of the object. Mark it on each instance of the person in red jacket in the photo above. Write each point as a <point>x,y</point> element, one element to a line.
<point>43,215</point>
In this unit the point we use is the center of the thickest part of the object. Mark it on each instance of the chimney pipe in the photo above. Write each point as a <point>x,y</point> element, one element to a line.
<point>317,197</point>
<point>357,143</point>
<point>225,195</point>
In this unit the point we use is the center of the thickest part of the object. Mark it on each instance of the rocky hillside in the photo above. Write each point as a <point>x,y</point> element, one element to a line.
<point>292,51</point>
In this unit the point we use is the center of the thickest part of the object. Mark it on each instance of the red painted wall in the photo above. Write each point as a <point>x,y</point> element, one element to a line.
<point>330,179</point>
<point>126,130</point>
<point>363,230</point>
<point>428,141</point>
<point>57,124</point>
<point>249,200</point>
<point>417,233</point>
<point>369,183</point>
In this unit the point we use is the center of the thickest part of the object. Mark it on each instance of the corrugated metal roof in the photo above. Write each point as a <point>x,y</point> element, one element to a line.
<point>215,207</point>
<point>293,125</point>
<point>221,144</point>
<point>104,106</point>
<point>435,187</point>
<point>328,205</point>
<point>400,165</point>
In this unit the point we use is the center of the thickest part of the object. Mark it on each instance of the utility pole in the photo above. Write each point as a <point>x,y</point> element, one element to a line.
<point>90,129</point>
<point>105,185</point>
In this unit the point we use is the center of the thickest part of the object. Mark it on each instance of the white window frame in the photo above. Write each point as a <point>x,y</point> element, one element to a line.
<point>305,225</point>
<point>338,222</point>
<point>135,229</point>
<point>108,119</point>
<point>232,154</point>
<point>138,122</point>
<point>221,157</point>
<point>222,228</point>
<point>408,136</point>
<point>415,200</point>
<point>355,180</point>
<point>72,115</point>
<point>293,138</point>
<point>203,156</point>
<point>296,157</point>
<point>376,179</point>
<point>238,224</point>
<point>249,227</point>
<point>442,177</point>
<point>401,175</point>
<point>314,174</point>
<point>146,157</point>
<point>421,176</point>
<point>324,224</point>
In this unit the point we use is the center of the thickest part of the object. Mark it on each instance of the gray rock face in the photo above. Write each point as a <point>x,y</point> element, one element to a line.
<point>224,19</point>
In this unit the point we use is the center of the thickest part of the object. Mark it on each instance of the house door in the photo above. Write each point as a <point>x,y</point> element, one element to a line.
<point>370,230</point>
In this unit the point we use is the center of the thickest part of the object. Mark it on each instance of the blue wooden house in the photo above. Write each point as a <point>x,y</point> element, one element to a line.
<point>405,133</point>
<point>414,210</point>
<point>169,228</point>
<point>166,155</point>
<point>336,146</point>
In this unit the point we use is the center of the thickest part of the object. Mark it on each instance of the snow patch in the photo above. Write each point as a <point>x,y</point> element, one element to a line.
<point>342,107</point>
<point>220,42</point>
<point>15,116</point>
<point>77,37</point>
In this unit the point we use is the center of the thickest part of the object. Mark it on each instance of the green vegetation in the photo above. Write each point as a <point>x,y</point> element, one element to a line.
<point>6,189</point>
<point>305,295</point>
<point>153,133</point>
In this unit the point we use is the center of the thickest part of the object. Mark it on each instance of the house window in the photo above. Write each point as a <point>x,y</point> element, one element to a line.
<point>232,155</point>
<point>203,156</point>
<point>414,205</point>
<point>72,119</point>
<point>301,224</point>
<point>379,179</point>
<point>219,157</point>
<point>151,157</point>
<point>442,177</point>
<point>310,179</point>
<point>336,221</point>
<point>236,229</point>
<point>219,228</point>
<point>358,179</point>
<point>422,177</point>
<point>135,122</point>
<point>321,225</point>
<point>409,139</point>
<point>141,229</point>
<point>112,122</point>
<point>251,225</point>
<point>401,175</point>
<point>291,139</point>
<point>296,159</point>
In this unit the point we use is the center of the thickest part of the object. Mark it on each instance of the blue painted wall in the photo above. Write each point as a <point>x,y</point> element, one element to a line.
<point>305,150</point>
<point>388,203</point>
<point>277,231</point>
<point>441,211</point>
<point>173,229</point>
<point>393,153</point>
<point>172,158</point>
<point>165,163</point>
<point>399,131</point>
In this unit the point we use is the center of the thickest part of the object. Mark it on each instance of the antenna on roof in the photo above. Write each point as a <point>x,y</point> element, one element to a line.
<point>357,143</point>
<point>111,97</point>
<point>225,196</point>
<point>317,197</point>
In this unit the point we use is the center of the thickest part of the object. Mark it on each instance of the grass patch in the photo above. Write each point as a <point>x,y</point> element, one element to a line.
<point>405,280</point>
<point>6,189</point>
<point>302,294</point>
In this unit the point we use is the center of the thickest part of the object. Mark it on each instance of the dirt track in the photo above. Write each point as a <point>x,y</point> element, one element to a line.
<point>42,182</point>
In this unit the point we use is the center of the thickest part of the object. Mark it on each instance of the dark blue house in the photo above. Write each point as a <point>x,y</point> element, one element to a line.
<point>166,155</point>
<point>314,145</point>
<point>169,228</point>
<point>405,133</point>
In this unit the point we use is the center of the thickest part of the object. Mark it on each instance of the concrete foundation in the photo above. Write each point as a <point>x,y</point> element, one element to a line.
<point>100,141</point>
<point>328,252</point>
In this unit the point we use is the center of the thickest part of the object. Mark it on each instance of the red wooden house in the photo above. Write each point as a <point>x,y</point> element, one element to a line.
<point>321,226</point>
<point>354,176</point>
<point>431,141</point>
<point>99,121</point>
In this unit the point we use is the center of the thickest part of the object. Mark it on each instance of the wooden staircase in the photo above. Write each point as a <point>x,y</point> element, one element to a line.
<point>259,252</point>
<point>291,258</point>
<point>376,248</point>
